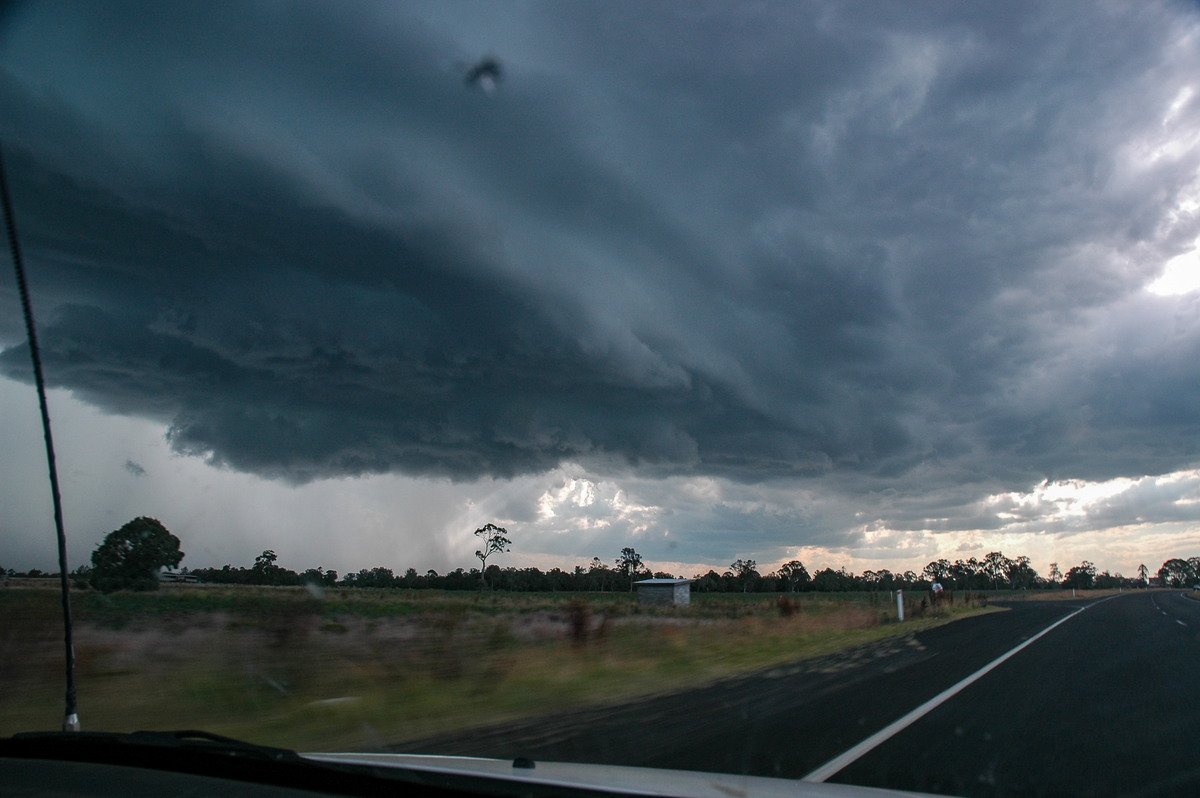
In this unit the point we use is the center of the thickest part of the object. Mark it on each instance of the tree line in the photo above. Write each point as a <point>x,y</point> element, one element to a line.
<point>993,572</point>
<point>132,556</point>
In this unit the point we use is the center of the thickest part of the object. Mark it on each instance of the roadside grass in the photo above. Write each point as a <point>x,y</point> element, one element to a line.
<point>360,669</point>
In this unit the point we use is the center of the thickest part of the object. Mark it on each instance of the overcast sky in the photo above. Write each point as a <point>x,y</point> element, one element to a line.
<point>865,284</point>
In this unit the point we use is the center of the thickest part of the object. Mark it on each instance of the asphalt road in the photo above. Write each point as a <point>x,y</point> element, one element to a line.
<point>1106,703</point>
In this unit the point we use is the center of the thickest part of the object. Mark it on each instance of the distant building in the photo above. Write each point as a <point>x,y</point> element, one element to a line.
<point>664,592</point>
<point>175,576</point>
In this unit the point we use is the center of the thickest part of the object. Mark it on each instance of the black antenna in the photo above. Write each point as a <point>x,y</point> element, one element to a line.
<point>71,717</point>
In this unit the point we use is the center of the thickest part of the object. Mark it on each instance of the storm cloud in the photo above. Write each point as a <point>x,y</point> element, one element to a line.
<point>885,247</point>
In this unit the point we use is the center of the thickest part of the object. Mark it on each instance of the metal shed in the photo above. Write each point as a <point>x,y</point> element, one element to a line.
<point>664,592</point>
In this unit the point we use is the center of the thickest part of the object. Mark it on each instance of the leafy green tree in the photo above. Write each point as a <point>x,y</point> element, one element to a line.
<point>967,574</point>
<point>710,582</point>
<point>995,567</point>
<point>745,574</point>
<point>601,577</point>
<point>794,574</point>
<point>937,571</point>
<point>319,576</point>
<point>264,564</point>
<point>1081,576</point>
<point>130,557</point>
<point>266,572</point>
<point>828,580</point>
<point>1020,573</point>
<point>1177,573</point>
<point>629,565</point>
<point>495,540</point>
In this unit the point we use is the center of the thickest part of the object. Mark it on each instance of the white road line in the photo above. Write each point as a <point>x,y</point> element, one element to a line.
<point>1181,623</point>
<point>883,735</point>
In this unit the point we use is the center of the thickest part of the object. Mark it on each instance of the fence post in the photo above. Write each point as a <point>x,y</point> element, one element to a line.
<point>900,605</point>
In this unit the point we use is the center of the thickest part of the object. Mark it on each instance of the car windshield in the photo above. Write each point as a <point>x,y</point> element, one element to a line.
<point>794,389</point>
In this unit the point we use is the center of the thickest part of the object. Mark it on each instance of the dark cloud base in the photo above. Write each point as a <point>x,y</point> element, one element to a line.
<point>860,265</point>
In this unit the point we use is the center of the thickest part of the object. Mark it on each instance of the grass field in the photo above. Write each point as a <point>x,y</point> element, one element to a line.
<point>356,669</point>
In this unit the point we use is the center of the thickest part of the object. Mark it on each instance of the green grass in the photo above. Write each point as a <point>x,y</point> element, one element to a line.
<point>356,669</point>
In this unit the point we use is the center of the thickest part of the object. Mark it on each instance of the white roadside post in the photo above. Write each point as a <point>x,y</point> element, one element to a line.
<point>900,605</point>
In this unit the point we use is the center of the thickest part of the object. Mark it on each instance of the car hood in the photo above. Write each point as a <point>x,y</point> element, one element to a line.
<point>610,778</point>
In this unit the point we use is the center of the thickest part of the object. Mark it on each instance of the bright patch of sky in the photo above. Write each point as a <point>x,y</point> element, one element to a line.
<point>1180,276</point>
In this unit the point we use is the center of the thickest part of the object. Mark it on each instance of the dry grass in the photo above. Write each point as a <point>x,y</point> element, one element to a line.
<point>357,669</point>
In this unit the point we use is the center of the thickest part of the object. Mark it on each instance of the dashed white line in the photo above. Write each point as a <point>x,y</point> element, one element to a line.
<point>1181,623</point>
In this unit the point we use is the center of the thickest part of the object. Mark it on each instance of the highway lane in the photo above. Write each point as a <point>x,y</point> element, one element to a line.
<point>1105,704</point>
<point>784,722</point>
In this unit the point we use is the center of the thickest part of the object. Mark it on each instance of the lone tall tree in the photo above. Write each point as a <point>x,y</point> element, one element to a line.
<point>130,557</point>
<point>629,564</point>
<point>495,539</point>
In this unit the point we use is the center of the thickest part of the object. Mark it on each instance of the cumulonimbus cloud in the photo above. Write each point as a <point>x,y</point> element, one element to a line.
<point>718,255</point>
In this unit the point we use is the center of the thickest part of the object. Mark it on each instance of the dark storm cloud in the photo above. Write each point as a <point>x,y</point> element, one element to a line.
<point>789,241</point>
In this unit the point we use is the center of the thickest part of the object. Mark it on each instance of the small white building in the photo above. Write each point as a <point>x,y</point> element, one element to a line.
<point>664,592</point>
<point>175,576</point>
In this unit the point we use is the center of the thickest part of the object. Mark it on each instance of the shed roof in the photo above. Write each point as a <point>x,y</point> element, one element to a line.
<point>663,581</point>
